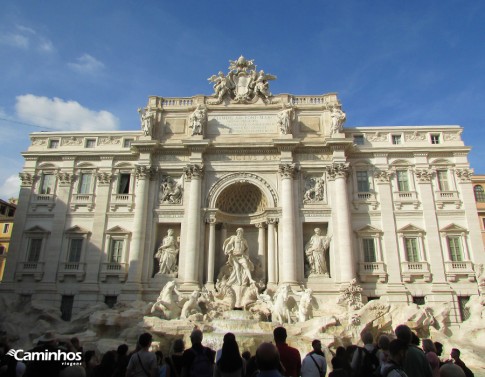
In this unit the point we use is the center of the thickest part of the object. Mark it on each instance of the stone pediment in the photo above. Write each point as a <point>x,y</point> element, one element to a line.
<point>368,229</point>
<point>453,228</point>
<point>117,230</point>
<point>37,229</point>
<point>77,230</point>
<point>410,228</point>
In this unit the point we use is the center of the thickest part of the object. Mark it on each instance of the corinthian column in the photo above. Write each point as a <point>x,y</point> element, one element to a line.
<point>339,173</point>
<point>192,245</point>
<point>271,251</point>
<point>288,271</point>
<point>261,245</point>
<point>143,174</point>
<point>212,250</point>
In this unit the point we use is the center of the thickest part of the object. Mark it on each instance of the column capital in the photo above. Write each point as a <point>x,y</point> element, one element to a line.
<point>144,171</point>
<point>423,175</point>
<point>211,220</point>
<point>383,176</point>
<point>287,170</point>
<point>104,178</point>
<point>272,220</point>
<point>338,170</point>
<point>194,171</point>
<point>65,179</point>
<point>260,225</point>
<point>26,179</point>
<point>464,175</point>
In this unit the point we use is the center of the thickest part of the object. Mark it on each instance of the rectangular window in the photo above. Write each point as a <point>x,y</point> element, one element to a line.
<point>419,300</point>
<point>359,139</point>
<point>75,248</point>
<point>35,246</point>
<point>116,251</point>
<point>6,228</point>
<point>127,143</point>
<point>443,180</point>
<point>396,139</point>
<point>110,301</point>
<point>454,246</point>
<point>67,303</point>
<point>85,183</point>
<point>47,184</point>
<point>435,138</point>
<point>464,311</point>
<point>124,183</point>
<point>412,253</point>
<point>53,144</point>
<point>362,181</point>
<point>90,143</point>
<point>369,250</point>
<point>402,180</point>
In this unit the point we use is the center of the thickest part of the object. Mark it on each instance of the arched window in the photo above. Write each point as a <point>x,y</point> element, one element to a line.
<point>479,193</point>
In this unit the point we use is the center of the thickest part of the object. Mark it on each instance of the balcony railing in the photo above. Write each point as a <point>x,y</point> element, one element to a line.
<point>405,197</point>
<point>455,269</point>
<point>46,200</point>
<point>371,271</point>
<point>35,269</point>
<point>415,270</point>
<point>122,200</point>
<point>365,198</point>
<point>82,200</point>
<point>447,197</point>
<point>75,269</point>
<point>112,269</point>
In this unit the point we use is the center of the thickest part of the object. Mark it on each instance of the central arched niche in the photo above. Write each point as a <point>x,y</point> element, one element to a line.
<point>241,198</point>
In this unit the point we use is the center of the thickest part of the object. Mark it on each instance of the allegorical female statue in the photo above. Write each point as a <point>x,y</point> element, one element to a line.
<point>167,254</point>
<point>315,250</point>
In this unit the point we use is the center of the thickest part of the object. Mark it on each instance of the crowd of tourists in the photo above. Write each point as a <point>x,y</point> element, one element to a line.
<point>395,355</point>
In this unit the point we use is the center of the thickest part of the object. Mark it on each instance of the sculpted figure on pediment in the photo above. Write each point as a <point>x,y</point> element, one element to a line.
<point>147,120</point>
<point>285,118</point>
<point>222,85</point>
<point>198,120</point>
<point>338,120</point>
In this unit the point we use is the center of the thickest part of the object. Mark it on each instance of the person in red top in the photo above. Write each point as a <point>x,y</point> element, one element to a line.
<point>289,356</point>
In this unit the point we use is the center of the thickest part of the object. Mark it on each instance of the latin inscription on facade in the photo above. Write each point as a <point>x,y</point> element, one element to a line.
<point>242,124</point>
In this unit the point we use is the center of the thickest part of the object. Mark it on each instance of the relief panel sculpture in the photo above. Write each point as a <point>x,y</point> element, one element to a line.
<point>171,190</point>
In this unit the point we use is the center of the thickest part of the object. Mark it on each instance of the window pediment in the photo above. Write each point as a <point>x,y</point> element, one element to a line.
<point>453,228</point>
<point>368,230</point>
<point>37,230</point>
<point>118,230</point>
<point>77,230</point>
<point>410,228</point>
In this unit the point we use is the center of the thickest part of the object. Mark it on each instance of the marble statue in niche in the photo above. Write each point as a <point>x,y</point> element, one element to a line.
<point>198,120</point>
<point>167,254</point>
<point>338,120</point>
<point>238,268</point>
<point>314,192</point>
<point>171,190</point>
<point>316,251</point>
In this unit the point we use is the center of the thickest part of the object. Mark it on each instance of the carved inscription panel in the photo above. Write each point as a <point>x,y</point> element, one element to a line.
<point>242,124</point>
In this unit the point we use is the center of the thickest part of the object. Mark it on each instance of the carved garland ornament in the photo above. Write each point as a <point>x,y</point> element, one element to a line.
<point>383,176</point>
<point>27,179</point>
<point>464,175</point>
<point>104,178</point>
<point>423,175</point>
<point>64,178</point>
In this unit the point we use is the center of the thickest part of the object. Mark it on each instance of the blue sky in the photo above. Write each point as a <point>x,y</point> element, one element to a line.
<point>84,65</point>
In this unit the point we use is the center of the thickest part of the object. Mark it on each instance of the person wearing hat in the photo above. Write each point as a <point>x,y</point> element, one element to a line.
<point>47,342</point>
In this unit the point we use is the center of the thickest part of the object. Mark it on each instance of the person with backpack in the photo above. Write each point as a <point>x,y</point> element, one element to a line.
<point>314,364</point>
<point>198,361</point>
<point>364,361</point>
<point>415,363</point>
<point>394,364</point>
<point>143,363</point>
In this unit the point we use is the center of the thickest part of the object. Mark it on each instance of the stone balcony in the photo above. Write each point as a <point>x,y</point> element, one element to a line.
<point>75,269</point>
<point>415,270</point>
<point>372,271</point>
<point>111,269</point>
<point>122,200</point>
<point>447,197</point>
<point>82,200</point>
<point>35,269</point>
<point>404,198</point>
<point>47,200</point>
<point>368,198</point>
<point>454,270</point>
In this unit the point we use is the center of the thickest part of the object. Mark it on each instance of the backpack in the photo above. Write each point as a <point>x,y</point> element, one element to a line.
<point>369,363</point>
<point>386,371</point>
<point>203,363</point>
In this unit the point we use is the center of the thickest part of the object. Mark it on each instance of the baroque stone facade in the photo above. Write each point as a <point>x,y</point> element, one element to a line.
<point>114,216</point>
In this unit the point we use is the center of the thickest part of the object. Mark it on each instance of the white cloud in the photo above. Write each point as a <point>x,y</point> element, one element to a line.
<point>10,187</point>
<point>58,114</point>
<point>87,64</point>
<point>25,37</point>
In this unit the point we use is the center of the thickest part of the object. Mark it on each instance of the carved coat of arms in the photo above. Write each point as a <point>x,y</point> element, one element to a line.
<point>243,83</point>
